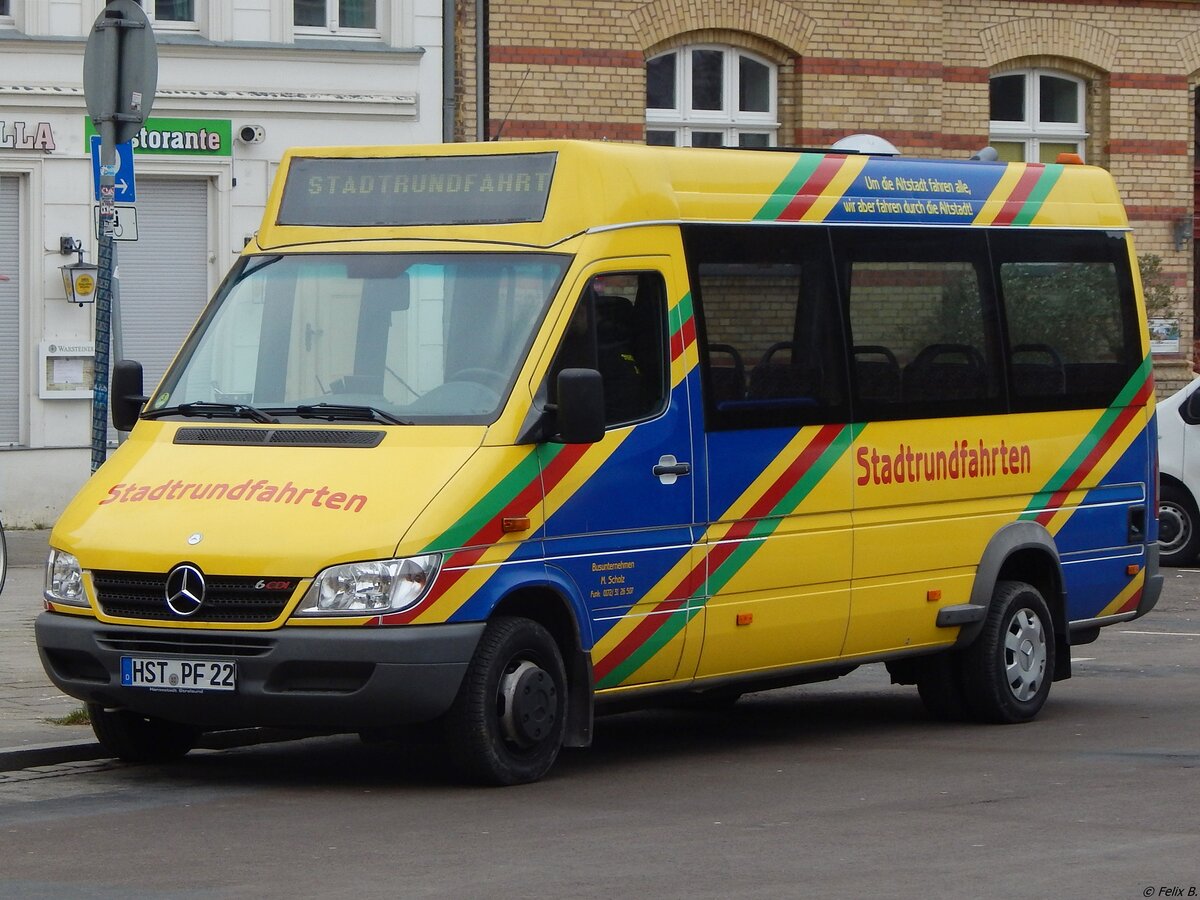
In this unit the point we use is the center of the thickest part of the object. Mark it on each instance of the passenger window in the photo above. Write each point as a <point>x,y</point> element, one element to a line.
<point>923,325</point>
<point>1072,337</point>
<point>771,338</point>
<point>619,329</point>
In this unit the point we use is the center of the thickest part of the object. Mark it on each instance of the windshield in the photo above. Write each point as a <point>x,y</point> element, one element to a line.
<point>418,337</point>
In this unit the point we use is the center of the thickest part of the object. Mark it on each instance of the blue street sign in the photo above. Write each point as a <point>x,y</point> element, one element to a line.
<point>122,173</point>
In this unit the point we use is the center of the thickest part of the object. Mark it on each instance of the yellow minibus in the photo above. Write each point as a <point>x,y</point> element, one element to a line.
<point>499,436</point>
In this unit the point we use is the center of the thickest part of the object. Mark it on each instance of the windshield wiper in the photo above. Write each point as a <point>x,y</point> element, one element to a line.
<point>333,411</point>
<point>212,410</point>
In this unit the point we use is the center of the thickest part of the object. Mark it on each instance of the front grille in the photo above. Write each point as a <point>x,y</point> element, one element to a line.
<point>172,641</point>
<point>288,437</point>
<point>227,598</point>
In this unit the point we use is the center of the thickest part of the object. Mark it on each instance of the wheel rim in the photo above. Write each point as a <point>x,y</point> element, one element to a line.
<point>1174,527</point>
<point>1025,654</point>
<point>528,701</point>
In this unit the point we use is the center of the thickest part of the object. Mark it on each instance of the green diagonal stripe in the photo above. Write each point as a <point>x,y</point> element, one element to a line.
<point>789,187</point>
<point>1075,460</point>
<point>493,501</point>
<point>1038,195</point>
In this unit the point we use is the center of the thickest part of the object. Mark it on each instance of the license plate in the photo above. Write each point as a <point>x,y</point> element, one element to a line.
<point>178,674</point>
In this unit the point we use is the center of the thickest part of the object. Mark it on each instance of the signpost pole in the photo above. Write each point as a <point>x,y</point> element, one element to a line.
<point>120,74</point>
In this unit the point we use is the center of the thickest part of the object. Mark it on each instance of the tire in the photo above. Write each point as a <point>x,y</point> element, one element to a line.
<point>507,723</point>
<point>939,683</point>
<point>140,739</point>
<point>1008,670</point>
<point>1178,534</point>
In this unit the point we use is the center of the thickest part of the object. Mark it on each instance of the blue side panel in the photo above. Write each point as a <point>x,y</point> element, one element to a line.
<point>621,531</point>
<point>1094,545</point>
<point>918,191</point>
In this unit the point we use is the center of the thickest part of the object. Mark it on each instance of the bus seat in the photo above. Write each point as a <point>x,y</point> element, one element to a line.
<point>615,358</point>
<point>774,379</point>
<point>1040,372</point>
<point>945,372</point>
<point>728,379</point>
<point>878,372</point>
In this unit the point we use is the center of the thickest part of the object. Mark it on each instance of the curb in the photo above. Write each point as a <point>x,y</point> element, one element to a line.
<point>15,758</point>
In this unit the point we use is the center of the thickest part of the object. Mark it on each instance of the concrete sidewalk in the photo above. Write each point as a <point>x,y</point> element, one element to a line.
<point>28,701</point>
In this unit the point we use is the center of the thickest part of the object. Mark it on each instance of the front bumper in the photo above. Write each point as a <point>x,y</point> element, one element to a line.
<point>344,679</point>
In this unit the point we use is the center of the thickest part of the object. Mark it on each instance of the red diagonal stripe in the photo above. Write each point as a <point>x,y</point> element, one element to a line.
<point>1059,497</point>
<point>457,564</point>
<point>641,633</point>
<point>811,189</point>
<point>1020,194</point>
<point>683,338</point>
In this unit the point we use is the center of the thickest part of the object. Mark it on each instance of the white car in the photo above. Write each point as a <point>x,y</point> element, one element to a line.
<point>1179,476</point>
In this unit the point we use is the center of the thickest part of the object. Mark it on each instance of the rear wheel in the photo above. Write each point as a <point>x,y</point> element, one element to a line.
<point>1178,537</point>
<point>136,738</point>
<point>507,723</point>
<point>1007,671</point>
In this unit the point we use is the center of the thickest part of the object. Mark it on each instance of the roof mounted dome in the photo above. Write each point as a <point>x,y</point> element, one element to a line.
<point>867,143</point>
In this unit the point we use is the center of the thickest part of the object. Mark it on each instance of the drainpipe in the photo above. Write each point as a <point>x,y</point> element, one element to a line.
<point>449,49</point>
<point>481,70</point>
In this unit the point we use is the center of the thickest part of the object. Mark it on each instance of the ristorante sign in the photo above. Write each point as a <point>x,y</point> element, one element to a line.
<point>180,137</point>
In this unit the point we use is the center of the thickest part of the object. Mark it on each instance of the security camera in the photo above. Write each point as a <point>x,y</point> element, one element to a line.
<point>252,134</point>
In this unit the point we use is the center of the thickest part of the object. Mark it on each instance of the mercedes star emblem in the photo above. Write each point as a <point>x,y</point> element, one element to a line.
<point>185,590</point>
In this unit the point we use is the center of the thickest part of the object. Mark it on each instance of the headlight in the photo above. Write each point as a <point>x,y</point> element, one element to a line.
<point>64,579</point>
<point>373,588</point>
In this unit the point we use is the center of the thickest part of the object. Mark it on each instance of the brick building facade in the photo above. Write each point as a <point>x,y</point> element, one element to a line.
<point>1112,79</point>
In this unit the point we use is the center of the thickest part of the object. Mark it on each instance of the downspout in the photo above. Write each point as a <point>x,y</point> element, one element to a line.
<point>481,71</point>
<point>449,49</point>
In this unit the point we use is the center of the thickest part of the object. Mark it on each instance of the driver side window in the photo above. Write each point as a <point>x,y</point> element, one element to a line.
<point>619,329</point>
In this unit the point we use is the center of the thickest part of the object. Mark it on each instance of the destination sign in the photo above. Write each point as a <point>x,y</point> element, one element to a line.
<point>417,190</point>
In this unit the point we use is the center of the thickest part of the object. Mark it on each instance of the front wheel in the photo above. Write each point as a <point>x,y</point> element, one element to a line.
<point>507,723</point>
<point>139,739</point>
<point>1008,670</point>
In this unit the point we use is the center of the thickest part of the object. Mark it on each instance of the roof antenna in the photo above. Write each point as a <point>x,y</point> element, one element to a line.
<point>504,121</point>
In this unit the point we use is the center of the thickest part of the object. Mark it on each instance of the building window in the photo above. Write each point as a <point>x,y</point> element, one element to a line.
<point>355,17</point>
<point>6,16</point>
<point>708,96</point>
<point>170,14</point>
<point>1037,114</point>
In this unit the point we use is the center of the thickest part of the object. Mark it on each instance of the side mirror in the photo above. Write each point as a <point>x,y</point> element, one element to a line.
<point>1190,410</point>
<point>580,406</point>
<point>126,399</point>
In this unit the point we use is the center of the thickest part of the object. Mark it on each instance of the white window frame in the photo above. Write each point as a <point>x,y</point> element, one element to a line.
<point>1032,131</point>
<point>731,122</point>
<point>177,25</point>
<point>7,19</point>
<point>333,27</point>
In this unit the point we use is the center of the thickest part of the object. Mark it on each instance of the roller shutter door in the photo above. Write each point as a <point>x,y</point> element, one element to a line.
<point>10,302</point>
<point>164,273</point>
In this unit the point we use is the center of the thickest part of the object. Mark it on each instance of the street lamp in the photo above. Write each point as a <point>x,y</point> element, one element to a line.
<point>79,277</point>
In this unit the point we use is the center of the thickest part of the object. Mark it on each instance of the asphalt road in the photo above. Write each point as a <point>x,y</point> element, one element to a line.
<point>840,790</point>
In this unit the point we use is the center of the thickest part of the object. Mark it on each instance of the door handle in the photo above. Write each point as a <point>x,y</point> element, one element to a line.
<point>669,469</point>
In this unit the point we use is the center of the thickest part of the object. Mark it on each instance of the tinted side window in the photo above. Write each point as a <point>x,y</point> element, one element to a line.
<point>1073,340</point>
<point>619,328</point>
<point>771,348</point>
<point>923,323</point>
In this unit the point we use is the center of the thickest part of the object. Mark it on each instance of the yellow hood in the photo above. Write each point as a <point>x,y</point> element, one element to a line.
<point>260,509</point>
